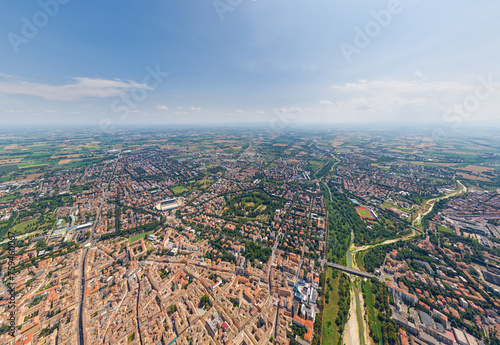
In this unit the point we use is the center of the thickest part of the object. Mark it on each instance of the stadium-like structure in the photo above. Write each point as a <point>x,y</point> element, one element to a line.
<point>169,204</point>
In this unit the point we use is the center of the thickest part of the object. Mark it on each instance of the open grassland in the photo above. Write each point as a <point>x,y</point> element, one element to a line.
<point>24,227</point>
<point>388,204</point>
<point>179,190</point>
<point>473,177</point>
<point>204,184</point>
<point>33,164</point>
<point>444,229</point>
<point>139,236</point>
<point>315,165</point>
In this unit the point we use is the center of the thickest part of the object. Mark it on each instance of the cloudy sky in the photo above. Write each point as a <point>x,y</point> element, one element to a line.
<point>126,62</point>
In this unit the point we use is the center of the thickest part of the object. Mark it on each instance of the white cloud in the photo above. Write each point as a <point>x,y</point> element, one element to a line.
<point>288,110</point>
<point>401,87</point>
<point>7,76</point>
<point>80,88</point>
<point>161,107</point>
<point>388,100</point>
<point>391,96</point>
<point>325,102</point>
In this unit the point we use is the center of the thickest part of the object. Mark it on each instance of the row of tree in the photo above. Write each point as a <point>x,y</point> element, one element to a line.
<point>381,305</point>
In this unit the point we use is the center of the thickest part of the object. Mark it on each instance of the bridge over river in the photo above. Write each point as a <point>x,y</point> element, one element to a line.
<point>351,270</point>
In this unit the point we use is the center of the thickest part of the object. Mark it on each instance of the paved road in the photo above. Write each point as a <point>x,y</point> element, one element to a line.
<point>351,270</point>
<point>81,291</point>
<point>91,240</point>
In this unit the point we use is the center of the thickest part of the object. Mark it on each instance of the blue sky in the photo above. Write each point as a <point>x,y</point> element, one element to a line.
<point>253,61</point>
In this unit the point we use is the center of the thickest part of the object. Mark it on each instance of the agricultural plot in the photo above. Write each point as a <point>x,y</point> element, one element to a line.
<point>8,168</point>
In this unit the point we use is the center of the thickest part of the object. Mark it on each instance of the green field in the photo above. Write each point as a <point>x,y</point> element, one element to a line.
<point>444,229</point>
<point>34,164</point>
<point>8,197</point>
<point>40,155</point>
<point>22,227</point>
<point>388,204</point>
<point>8,168</point>
<point>364,213</point>
<point>315,165</point>
<point>330,333</point>
<point>139,236</point>
<point>373,321</point>
<point>179,190</point>
<point>204,184</point>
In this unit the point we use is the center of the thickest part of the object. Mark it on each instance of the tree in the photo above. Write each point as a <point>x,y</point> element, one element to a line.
<point>204,301</point>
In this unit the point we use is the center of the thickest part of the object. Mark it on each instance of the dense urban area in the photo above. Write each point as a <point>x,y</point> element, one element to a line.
<point>249,236</point>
